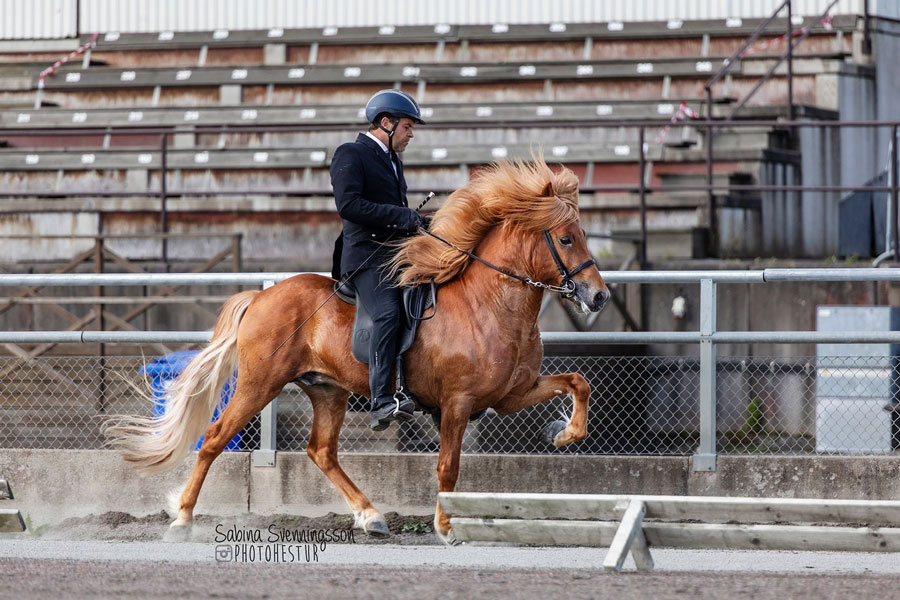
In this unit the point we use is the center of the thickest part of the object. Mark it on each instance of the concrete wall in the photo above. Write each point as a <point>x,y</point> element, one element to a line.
<point>52,485</point>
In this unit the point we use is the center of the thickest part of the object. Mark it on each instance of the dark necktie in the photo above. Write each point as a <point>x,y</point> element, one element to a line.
<point>396,160</point>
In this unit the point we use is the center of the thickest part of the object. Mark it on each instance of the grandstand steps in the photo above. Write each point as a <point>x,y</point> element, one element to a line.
<point>71,77</point>
<point>484,114</point>
<point>458,43</point>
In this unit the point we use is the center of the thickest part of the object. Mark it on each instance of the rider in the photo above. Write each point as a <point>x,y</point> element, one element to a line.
<point>370,193</point>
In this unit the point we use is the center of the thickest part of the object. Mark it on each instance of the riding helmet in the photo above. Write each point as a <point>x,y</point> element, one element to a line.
<point>396,103</point>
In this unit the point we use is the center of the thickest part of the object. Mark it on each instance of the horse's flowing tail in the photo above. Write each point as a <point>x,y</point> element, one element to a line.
<point>157,444</point>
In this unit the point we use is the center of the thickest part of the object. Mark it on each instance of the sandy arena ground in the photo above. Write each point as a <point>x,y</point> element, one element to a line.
<point>116,555</point>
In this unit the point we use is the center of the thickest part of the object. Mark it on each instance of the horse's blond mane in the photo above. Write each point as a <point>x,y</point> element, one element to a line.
<point>528,195</point>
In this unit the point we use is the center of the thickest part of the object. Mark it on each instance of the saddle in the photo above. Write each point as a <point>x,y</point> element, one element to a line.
<point>416,301</point>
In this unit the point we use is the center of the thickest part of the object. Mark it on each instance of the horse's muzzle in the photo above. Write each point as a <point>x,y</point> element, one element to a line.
<point>590,299</point>
<point>600,300</point>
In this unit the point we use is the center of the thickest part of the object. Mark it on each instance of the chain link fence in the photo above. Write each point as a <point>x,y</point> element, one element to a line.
<point>639,405</point>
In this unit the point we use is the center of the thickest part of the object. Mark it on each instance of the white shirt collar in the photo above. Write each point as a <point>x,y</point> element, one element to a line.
<point>380,143</point>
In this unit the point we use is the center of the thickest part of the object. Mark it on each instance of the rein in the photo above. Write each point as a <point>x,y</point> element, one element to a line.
<point>567,287</point>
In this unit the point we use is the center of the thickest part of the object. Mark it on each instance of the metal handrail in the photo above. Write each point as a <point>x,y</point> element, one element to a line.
<point>642,188</point>
<point>707,337</point>
<point>740,52</point>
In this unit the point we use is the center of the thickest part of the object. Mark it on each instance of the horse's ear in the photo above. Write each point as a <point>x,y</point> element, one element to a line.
<point>547,192</point>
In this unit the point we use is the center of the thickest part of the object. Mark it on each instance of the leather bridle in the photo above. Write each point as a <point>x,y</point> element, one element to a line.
<point>567,275</point>
<point>567,286</point>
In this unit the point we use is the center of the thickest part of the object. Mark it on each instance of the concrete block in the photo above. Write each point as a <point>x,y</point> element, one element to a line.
<point>136,180</point>
<point>52,485</point>
<point>864,478</point>
<point>230,94</point>
<point>408,482</point>
<point>275,54</point>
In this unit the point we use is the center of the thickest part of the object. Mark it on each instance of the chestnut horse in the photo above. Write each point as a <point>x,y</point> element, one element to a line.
<point>482,349</point>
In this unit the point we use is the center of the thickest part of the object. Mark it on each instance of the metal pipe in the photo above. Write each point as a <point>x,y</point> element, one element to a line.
<point>256,279</point>
<point>781,59</point>
<point>895,222</point>
<point>729,61</point>
<point>642,167</point>
<point>126,279</point>
<point>705,457</point>
<point>268,426</point>
<point>790,62</point>
<point>867,29</point>
<point>163,195</point>
<point>862,274</point>
<point>710,196</point>
<point>548,338</point>
<point>294,193</point>
<point>550,123</point>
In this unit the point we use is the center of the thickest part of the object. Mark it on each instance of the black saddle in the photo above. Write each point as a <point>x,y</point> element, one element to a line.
<point>416,301</point>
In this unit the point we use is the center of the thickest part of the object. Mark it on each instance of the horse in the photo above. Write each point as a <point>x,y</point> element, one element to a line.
<point>492,249</point>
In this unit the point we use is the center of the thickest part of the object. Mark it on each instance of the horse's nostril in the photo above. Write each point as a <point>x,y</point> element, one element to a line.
<point>600,298</point>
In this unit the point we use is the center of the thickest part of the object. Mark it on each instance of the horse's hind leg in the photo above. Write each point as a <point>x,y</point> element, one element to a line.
<point>559,433</point>
<point>247,401</point>
<point>329,407</point>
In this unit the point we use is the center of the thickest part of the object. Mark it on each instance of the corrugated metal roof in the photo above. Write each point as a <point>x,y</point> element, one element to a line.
<point>23,19</point>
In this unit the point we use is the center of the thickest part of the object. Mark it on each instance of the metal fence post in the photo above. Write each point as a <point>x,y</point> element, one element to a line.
<point>268,422</point>
<point>705,457</point>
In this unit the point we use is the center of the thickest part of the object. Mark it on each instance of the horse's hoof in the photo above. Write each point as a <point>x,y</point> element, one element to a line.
<point>377,527</point>
<point>177,532</point>
<point>552,430</point>
<point>449,538</point>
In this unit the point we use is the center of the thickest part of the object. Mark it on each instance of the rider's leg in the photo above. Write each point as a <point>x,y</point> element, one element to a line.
<point>383,303</point>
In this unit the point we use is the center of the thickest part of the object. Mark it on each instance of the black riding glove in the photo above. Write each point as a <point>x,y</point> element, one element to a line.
<point>415,220</point>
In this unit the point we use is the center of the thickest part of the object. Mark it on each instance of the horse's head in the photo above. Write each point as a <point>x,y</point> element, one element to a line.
<point>568,263</point>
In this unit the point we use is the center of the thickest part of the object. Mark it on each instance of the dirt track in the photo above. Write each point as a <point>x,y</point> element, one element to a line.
<point>131,562</point>
<point>105,579</point>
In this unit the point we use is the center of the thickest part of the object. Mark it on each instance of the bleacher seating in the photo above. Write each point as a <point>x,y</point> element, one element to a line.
<point>482,88</point>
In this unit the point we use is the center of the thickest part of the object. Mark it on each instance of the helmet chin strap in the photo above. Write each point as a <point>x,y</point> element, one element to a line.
<point>390,134</point>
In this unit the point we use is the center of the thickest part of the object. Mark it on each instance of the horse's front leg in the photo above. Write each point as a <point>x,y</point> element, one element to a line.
<point>454,418</point>
<point>559,433</point>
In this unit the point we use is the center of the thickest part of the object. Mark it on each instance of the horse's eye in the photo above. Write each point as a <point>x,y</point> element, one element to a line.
<point>565,240</point>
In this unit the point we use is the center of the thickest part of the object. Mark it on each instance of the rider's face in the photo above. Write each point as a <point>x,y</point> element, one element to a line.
<point>403,134</point>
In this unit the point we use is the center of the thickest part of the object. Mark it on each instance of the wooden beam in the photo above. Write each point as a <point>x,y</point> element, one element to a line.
<point>11,521</point>
<point>773,537</point>
<point>531,506</point>
<point>70,386</point>
<point>523,531</point>
<point>682,535</point>
<point>640,552</point>
<point>30,291</point>
<point>629,528</point>
<point>707,508</point>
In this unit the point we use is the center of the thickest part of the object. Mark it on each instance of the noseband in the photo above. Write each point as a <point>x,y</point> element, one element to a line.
<point>566,283</point>
<point>566,288</point>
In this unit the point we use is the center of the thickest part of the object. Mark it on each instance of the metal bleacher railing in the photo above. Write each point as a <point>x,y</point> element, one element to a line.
<point>163,159</point>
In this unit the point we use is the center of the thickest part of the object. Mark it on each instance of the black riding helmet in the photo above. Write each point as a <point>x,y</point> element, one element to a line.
<point>395,103</point>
